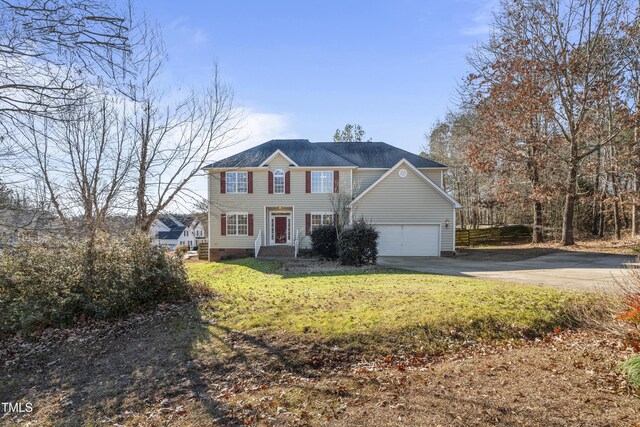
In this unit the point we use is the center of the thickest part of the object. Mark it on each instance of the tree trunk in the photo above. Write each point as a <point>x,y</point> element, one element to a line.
<point>141,190</point>
<point>595,211</point>
<point>616,206</point>
<point>538,235</point>
<point>567,238</point>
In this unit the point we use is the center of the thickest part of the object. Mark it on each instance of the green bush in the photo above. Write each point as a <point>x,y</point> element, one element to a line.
<point>324,241</point>
<point>60,283</point>
<point>358,244</point>
<point>631,367</point>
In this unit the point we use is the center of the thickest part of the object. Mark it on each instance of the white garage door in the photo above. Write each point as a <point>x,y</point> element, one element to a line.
<point>408,240</point>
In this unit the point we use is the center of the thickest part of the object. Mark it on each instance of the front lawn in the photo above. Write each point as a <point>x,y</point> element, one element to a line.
<point>275,348</point>
<point>378,310</point>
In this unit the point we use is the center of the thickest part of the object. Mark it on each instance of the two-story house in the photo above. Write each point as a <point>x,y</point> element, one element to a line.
<point>173,230</point>
<point>276,193</point>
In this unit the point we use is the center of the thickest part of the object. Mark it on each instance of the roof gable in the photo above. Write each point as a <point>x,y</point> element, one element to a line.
<point>418,173</point>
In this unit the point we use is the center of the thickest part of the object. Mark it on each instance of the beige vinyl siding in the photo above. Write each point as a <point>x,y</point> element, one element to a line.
<point>408,200</point>
<point>434,174</point>
<point>363,178</point>
<point>301,202</point>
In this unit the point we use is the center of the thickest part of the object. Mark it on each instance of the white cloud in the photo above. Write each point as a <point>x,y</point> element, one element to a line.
<point>481,18</point>
<point>196,35</point>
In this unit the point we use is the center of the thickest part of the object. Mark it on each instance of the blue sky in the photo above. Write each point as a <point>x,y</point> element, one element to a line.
<point>303,68</point>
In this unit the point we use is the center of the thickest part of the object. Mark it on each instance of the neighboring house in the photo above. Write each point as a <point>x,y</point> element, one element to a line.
<point>283,189</point>
<point>174,230</point>
<point>18,224</point>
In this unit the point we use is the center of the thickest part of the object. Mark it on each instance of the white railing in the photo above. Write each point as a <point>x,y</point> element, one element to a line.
<point>296,244</point>
<point>257,244</point>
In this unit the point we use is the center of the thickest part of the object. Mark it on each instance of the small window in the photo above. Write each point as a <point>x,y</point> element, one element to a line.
<point>236,182</point>
<point>186,233</point>
<point>322,181</point>
<point>319,219</point>
<point>278,182</point>
<point>237,225</point>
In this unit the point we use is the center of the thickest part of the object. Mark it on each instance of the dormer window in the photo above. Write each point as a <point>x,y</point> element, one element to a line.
<point>278,182</point>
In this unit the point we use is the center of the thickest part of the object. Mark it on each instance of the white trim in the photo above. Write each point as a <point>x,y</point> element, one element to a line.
<point>284,181</point>
<point>275,153</point>
<point>266,230</point>
<point>226,182</point>
<point>227,214</point>
<point>284,214</point>
<point>331,183</point>
<point>454,230</point>
<point>258,168</point>
<point>419,173</point>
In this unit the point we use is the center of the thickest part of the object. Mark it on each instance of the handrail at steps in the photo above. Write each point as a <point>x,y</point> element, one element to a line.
<point>257,244</point>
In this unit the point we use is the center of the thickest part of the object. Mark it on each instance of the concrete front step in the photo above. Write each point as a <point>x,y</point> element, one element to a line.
<point>276,251</point>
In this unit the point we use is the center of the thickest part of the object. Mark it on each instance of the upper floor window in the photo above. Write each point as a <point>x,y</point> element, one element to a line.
<point>278,182</point>
<point>186,233</point>
<point>322,181</point>
<point>237,182</point>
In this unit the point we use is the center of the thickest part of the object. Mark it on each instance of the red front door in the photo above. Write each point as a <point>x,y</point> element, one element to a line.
<point>281,229</point>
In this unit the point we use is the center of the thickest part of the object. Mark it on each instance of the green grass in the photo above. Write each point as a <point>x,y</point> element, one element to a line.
<point>379,308</point>
<point>631,367</point>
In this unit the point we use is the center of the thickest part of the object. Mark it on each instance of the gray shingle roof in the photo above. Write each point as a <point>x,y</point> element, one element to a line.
<point>170,235</point>
<point>305,153</point>
<point>301,151</point>
<point>376,154</point>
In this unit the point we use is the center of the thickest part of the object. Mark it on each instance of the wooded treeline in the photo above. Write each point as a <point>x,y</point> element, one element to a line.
<point>546,131</point>
<point>87,123</point>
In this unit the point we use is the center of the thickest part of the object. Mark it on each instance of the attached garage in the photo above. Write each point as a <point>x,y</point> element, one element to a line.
<point>408,240</point>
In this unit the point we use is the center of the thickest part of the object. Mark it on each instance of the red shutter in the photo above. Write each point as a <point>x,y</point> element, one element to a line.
<point>336,217</point>
<point>307,223</point>
<point>250,224</point>
<point>336,181</point>
<point>287,182</point>
<point>270,182</point>
<point>250,182</point>
<point>308,181</point>
<point>223,182</point>
<point>223,224</point>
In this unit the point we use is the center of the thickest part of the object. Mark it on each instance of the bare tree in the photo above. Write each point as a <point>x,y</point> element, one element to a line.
<point>83,161</point>
<point>569,44</point>
<point>51,49</point>
<point>173,142</point>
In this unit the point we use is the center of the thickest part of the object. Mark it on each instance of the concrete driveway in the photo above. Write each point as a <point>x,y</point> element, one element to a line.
<point>570,270</point>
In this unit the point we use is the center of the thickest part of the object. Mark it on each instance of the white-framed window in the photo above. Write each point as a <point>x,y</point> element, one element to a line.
<point>186,233</point>
<point>278,181</point>
<point>321,218</point>
<point>322,181</point>
<point>237,224</point>
<point>236,182</point>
